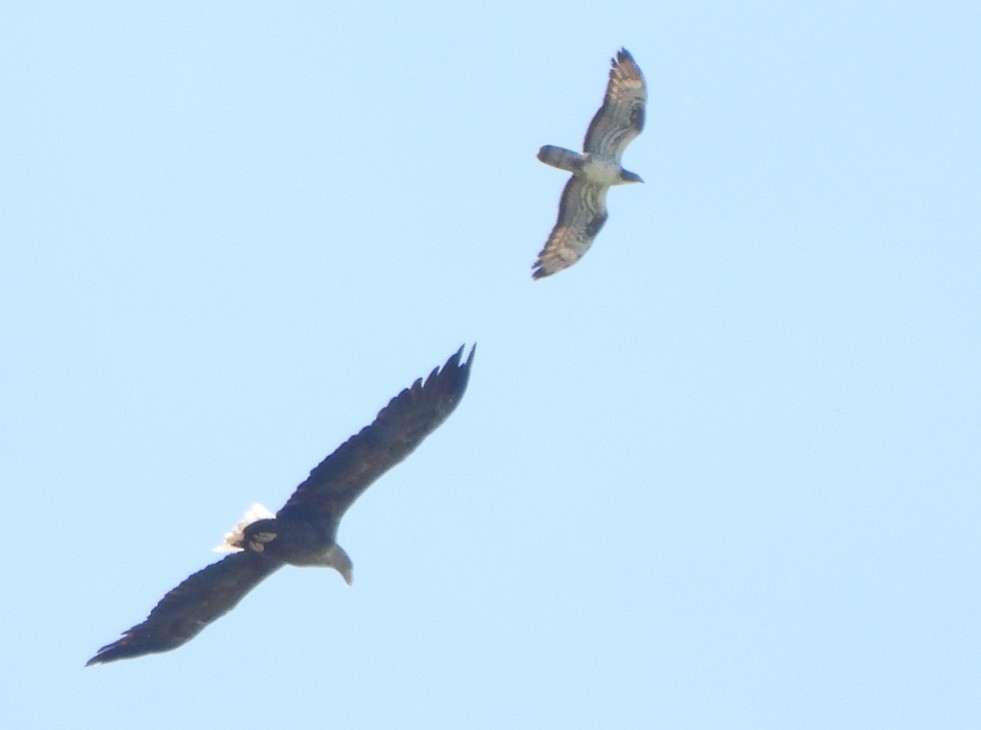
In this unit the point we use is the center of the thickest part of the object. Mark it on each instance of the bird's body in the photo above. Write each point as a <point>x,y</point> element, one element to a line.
<point>304,531</point>
<point>595,168</point>
<point>296,542</point>
<point>582,209</point>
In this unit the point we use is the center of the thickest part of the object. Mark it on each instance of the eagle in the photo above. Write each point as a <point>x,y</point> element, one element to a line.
<point>304,531</point>
<point>582,210</point>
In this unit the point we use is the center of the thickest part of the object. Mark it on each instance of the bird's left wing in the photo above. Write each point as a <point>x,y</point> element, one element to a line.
<point>394,434</point>
<point>621,118</point>
<point>187,609</point>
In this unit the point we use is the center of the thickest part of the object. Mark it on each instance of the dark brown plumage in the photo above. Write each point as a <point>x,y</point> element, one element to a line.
<point>304,531</point>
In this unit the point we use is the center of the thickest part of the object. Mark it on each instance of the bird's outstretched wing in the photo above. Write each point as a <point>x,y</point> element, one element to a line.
<point>188,608</point>
<point>621,118</point>
<point>582,213</point>
<point>396,431</point>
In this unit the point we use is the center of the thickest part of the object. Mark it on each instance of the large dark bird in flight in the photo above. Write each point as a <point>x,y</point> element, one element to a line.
<point>582,209</point>
<point>304,531</point>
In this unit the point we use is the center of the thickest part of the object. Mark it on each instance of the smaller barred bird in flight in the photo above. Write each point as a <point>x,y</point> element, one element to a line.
<point>582,209</point>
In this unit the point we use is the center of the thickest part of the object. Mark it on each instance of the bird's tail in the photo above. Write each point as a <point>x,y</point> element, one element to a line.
<point>560,157</point>
<point>234,540</point>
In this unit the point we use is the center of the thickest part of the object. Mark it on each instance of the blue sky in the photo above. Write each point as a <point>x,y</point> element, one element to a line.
<point>722,473</point>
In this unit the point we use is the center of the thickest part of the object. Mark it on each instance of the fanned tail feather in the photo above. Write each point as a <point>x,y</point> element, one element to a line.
<point>561,158</point>
<point>234,540</point>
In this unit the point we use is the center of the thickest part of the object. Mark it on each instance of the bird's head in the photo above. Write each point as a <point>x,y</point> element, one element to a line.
<point>341,562</point>
<point>629,177</point>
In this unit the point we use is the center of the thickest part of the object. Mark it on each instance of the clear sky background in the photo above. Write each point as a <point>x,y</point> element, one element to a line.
<point>724,472</point>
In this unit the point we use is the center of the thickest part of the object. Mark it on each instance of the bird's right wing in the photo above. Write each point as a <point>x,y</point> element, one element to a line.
<point>582,213</point>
